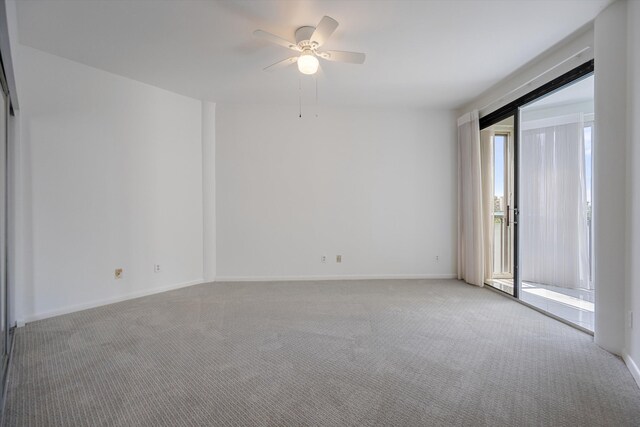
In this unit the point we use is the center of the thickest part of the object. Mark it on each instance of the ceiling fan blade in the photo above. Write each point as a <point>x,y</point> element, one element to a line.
<point>281,64</point>
<point>339,56</point>
<point>323,31</point>
<point>275,39</point>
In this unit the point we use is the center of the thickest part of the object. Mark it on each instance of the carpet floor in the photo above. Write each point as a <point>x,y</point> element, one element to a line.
<point>365,353</point>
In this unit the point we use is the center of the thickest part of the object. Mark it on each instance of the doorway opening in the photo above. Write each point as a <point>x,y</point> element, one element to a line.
<point>497,155</point>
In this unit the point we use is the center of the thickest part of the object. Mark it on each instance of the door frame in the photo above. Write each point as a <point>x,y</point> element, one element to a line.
<point>509,142</point>
<point>513,109</point>
<point>582,71</point>
<point>8,335</point>
<point>512,140</point>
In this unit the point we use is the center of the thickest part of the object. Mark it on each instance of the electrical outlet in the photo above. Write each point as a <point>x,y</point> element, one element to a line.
<point>338,258</point>
<point>323,259</point>
<point>156,268</point>
<point>118,273</point>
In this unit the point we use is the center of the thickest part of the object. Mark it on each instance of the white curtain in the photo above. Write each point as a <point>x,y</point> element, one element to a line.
<point>553,209</point>
<point>470,221</point>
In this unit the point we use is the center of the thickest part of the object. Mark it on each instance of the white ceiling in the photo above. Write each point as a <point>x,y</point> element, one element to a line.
<point>438,54</point>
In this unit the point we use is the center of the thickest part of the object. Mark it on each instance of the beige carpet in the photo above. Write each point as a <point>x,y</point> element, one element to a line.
<point>365,353</point>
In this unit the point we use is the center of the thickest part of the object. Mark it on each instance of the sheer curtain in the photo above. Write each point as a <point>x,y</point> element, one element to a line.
<point>553,209</point>
<point>470,222</point>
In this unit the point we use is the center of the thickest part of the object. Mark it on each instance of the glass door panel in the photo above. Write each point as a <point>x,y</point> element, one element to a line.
<point>556,137</point>
<point>498,161</point>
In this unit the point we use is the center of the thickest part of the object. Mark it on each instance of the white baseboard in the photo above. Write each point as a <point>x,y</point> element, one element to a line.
<point>633,368</point>
<point>336,277</point>
<point>98,303</point>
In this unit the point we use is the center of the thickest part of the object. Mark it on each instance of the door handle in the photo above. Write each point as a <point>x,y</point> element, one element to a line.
<point>515,216</point>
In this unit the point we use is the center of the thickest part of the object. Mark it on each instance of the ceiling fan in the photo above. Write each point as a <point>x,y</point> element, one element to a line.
<point>308,40</point>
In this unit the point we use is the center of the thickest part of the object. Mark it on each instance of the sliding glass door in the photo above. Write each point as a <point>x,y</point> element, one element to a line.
<point>536,162</point>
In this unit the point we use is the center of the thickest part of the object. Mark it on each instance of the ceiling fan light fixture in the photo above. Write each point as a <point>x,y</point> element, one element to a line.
<point>308,40</point>
<point>308,63</point>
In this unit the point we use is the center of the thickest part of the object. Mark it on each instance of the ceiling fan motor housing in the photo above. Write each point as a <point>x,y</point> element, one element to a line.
<point>303,36</point>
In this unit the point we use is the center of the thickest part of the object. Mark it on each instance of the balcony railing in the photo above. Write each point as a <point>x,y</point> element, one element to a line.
<point>501,245</point>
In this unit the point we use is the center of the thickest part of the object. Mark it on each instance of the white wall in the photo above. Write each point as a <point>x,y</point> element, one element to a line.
<point>609,176</point>
<point>8,46</point>
<point>632,356</point>
<point>375,186</point>
<point>559,59</point>
<point>209,190</point>
<point>110,175</point>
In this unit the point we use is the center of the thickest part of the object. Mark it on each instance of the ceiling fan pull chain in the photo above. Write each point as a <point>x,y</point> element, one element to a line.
<point>300,96</point>
<point>316,79</point>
